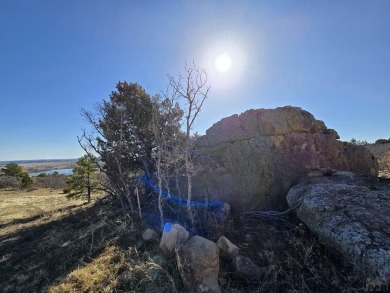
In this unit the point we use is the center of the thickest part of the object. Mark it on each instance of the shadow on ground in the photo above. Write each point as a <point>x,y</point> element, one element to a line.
<point>33,258</point>
<point>35,218</point>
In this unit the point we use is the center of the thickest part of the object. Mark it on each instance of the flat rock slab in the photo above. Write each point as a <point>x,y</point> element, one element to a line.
<point>351,214</point>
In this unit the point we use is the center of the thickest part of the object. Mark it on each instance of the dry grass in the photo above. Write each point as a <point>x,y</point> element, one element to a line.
<point>100,275</point>
<point>44,236</point>
<point>291,258</point>
<point>17,205</point>
<point>20,210</point>
<point>50,244</point>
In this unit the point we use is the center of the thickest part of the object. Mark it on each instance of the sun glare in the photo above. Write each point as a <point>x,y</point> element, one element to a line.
<point>223,62</point>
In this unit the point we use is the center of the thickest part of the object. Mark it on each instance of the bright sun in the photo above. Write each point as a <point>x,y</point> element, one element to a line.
<point>223,62</point>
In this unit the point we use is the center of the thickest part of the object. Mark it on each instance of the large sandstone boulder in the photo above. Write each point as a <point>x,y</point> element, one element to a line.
<point>351,214</point>
<point>251,160</point>
<point>198,264</point>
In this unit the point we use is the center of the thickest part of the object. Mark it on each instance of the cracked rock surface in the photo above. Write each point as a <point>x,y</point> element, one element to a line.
<point>350,214</point>
<point>251,160</point>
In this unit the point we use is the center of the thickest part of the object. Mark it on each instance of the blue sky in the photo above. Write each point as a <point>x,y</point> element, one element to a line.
<point>332,58</point>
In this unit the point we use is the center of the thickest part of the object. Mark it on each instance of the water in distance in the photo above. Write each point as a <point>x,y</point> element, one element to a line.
<point>51,172</point>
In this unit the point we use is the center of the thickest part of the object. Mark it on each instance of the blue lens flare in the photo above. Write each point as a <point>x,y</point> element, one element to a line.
<point>168,227</point>
<point>178,200</point>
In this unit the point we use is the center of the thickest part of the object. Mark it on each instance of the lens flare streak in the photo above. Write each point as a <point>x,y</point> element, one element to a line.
<point>178,200</point>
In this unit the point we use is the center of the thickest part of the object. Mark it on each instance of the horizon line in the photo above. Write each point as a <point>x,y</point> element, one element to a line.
<point>37,160</point>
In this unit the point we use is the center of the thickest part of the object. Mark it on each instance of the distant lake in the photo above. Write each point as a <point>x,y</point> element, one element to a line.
<point>50,172</point>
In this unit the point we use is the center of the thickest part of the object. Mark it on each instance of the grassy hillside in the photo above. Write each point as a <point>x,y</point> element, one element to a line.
<point>50,244</point>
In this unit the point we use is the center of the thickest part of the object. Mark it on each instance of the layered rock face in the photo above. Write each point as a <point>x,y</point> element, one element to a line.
<point>251,160</point>
<point>350,214</point>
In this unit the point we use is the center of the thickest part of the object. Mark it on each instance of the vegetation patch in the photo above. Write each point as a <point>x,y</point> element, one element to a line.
<point>100,275</point>
<point>96,248</point>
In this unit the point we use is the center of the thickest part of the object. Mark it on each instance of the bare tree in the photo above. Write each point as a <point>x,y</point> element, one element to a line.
<point>192,88</point>
<point>166,128</point>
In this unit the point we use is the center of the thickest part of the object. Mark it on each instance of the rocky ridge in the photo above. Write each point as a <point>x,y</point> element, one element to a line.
<point>254,158</point>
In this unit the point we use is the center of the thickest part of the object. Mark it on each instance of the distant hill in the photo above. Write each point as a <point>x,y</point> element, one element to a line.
<point>37,161</point>
<point>32,166</point>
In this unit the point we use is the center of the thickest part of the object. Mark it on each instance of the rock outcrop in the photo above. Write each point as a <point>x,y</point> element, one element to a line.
<point>198,264</point>
<point>382,152</point>
<point>350,214</point>
<point>254,158</point>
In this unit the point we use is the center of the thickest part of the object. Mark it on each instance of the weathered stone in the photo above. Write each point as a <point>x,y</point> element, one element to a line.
<point>382,152</point>
<point>244,268</point>
<point>227,250</point>
<point>350,214</point>
<point>198,264</point>
<point>173,235</point>
<point>251,160</point>
<point>150,235</point>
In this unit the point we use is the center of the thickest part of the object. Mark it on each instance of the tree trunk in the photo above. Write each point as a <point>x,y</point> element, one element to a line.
<point>189,199</point>
<point>122,204</point>
<point>160,208</point>
<point>89,194</point>
<point>189,188</point>
<point>178,187</point>
<point>127,196</point>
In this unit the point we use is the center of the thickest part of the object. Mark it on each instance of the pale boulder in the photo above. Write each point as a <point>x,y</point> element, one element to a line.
<point>198,264</point>
<point>173,234</point>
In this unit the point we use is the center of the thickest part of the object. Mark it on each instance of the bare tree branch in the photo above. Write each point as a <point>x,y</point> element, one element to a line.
<point>194,91</point>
